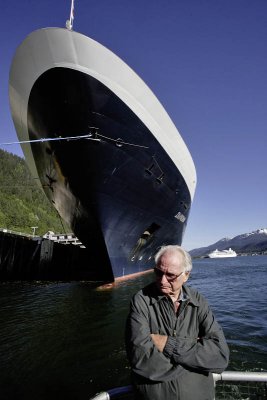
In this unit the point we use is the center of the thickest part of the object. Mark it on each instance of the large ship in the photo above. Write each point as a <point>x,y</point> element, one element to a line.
<point>222,253</point>
<point>102,147</point>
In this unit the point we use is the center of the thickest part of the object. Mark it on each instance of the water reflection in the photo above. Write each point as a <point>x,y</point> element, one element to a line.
<point>65,340</point>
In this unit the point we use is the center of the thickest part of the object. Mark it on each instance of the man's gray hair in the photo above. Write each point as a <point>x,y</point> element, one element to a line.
<point>173,249</point>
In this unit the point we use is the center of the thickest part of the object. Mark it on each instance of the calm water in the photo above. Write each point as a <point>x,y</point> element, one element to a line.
<point>65,340</point>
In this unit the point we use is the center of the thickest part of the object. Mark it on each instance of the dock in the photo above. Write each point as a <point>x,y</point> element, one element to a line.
<point>48,257</point>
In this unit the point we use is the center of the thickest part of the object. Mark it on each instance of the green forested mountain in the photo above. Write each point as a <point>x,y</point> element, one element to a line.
<point>22,204</point>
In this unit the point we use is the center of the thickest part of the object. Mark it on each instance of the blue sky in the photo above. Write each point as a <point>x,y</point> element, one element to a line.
<point>206,61</point>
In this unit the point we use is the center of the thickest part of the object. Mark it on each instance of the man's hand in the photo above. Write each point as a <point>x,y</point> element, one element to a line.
<point>159,341</point>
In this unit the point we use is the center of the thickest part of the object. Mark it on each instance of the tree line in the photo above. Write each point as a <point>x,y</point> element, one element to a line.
<point>23,204</point>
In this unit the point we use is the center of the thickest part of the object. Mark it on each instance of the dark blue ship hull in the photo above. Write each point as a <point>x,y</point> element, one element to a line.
<point>118,189</point>
<point>123,179</point>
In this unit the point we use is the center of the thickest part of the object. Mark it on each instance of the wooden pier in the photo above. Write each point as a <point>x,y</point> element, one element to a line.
<point>27,257</point>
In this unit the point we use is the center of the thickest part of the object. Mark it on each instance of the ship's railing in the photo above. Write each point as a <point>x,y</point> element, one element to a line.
<point>230,385</point>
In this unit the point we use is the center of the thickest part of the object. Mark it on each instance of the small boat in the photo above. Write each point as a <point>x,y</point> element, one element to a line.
<point>222,253</point>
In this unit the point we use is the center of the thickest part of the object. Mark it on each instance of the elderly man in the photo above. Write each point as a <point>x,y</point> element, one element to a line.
<point>173,341</point>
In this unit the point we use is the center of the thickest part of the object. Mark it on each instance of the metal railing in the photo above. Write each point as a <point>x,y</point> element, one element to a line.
<point>230,385</point>
<point>235,385</point>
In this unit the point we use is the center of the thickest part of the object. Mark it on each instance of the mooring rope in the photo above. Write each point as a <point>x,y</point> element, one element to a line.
<point>69,138</point>
<point>88,136</point>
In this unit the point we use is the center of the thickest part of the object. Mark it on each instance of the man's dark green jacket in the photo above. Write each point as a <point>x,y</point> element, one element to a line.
<point>195,347</point>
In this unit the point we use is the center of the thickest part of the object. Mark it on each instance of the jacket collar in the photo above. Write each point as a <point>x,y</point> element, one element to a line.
<point>188,295</point>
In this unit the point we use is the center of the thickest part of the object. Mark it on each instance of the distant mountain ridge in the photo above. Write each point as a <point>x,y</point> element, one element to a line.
<point>253,242</point>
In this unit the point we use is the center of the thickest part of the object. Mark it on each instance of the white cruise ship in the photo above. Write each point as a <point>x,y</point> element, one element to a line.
<point>222,253</point>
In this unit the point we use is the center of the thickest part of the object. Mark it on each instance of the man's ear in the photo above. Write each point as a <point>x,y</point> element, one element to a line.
<point>186,276</point>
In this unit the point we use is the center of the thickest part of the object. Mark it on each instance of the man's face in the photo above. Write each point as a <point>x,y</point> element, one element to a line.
<point>170,275</point>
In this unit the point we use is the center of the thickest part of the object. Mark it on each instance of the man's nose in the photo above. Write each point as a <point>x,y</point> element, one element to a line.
<point>163,278</point>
